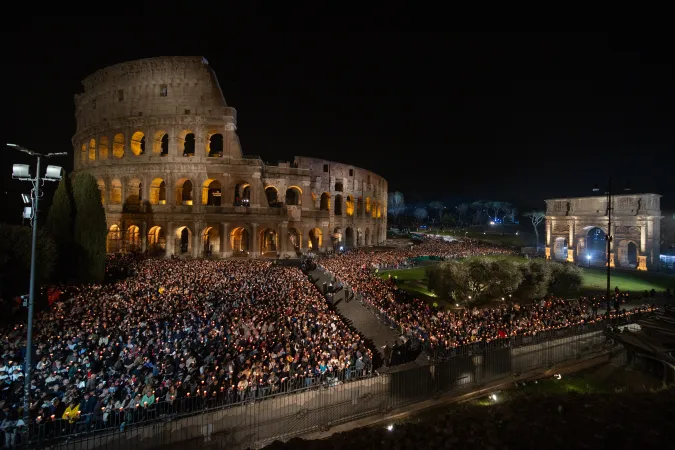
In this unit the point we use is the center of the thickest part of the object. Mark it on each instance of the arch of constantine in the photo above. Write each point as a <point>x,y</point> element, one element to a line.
<point>161,141</point>
<point>576,229</point>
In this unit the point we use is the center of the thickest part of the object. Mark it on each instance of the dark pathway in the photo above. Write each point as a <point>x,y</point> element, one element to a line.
<point>358,315</point>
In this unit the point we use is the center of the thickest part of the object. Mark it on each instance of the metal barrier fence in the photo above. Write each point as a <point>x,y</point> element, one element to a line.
<point>255,421</point>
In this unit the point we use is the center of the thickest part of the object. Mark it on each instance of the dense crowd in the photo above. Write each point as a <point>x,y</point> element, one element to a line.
<point>222,331</point>
<point>442,331</point>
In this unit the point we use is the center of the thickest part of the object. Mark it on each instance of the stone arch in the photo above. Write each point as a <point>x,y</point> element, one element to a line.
<point>137,143</point>
<point>349,205</point>
<point>293,196</point>
<point>186,142</point>
<point>118,146</point>
<point>367,205</point>
<point>325,202</point>
<point>359,237</point>
<point>240,240</point>
<point>210,241</point>
<point>184,194</point>
<point>338,205</point>
<point>560,249</point>
<point>101,187</point>
<point>272,195</point>
<point>133,239</point>
<point>349,238</point>
<point>156,240</point>
<point>116,192</point>
<point>595,242</point>
<point>373,209</point>
<point>269,241</point>
<point>212,193</point>
<point>114,239</point>
<point>367,237</point>
<point>158,192</point>
<point>183,238</point>
<point>83,153</point>
<point>242,194</point>
<point>379,210</point>
<point>160,143</point>
<point>92,150</point>
<point>134,192</point>
<point>337,238</point>
<point>103,148</point>
<point>628,253</point>
<point>215,145</point>
<point>315,239</point>
<point>295,239</point>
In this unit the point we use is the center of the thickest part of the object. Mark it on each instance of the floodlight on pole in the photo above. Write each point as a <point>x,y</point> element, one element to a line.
<point>22,172</point>
<point>26,199</point>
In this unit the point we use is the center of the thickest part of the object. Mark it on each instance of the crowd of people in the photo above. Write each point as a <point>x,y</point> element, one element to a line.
<point>174,330</point>
<point>440,332</point>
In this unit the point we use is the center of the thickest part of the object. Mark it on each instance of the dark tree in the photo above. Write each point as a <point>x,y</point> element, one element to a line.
<point>59,225</point>
<point>89,229</point>
<point>15,254</point>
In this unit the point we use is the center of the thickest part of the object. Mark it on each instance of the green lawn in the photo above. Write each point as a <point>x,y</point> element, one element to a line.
<point>595,280</point>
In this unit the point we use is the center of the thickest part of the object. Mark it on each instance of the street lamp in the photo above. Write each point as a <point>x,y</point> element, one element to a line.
<point>588,257</point>
<point>608,236</point>
<point>22,172</point>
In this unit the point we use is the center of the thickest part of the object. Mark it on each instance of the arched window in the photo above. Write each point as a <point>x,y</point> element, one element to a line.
<point>272,196</point>
<point>137,143</point>
<point>325,202</point>
<point>293,196</point>
<point>215,145</point>
<point>338,205</point>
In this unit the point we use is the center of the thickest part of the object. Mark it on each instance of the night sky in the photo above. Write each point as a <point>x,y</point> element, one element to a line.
<point>513,117</point>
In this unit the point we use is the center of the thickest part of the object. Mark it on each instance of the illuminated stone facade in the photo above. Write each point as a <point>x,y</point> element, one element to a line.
<point>576,230</point>
<point>160,139</point>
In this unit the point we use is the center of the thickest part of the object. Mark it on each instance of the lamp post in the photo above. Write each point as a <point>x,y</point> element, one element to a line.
<point>22,173</point>
<point>609,237</point>
<point>588,257</point>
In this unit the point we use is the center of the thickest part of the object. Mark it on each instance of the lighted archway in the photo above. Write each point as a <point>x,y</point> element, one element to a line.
<point>92,150</point>
<point>349,206</point>
<point>83,153</point>
<point>211,193</point>
<point>116,192</point>
<point>560,249</point>
<point>325,202</point>
<point>137,143</point>
<point>183,240</point>
<point>596,244</point>
<point>272,195</point>
<point>101,187</point>
<point>295,239</point>
<point>373,209</point>
<point>269,242</point>
<point>158,192</point>
<point>379,210</point>
<point>103,147</point>
<point>156,240</point>
<point>160,143</point>
<point>184,192</point>
<point>186,142</point>
<point>214,145</point>
<point>315,239</point>
<point>210,241</point>
<point>293,196</point>
<point>118,146</point>
<point>239,241</point>
<point>367,205</point>
<point>114,239</point>
<point>242,194</point>
<point>133,239</point>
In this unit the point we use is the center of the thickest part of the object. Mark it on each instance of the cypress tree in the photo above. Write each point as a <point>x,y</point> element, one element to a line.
<point>90,230</point>
<point>59,225</point>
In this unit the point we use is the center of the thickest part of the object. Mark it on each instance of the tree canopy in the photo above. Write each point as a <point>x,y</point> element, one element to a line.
<point>90,229</point>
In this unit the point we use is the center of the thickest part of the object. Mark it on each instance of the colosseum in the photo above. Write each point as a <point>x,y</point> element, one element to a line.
<point>162,143</point>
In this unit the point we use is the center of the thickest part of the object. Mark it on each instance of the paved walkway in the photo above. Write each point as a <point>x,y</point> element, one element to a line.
<point>358,316</point>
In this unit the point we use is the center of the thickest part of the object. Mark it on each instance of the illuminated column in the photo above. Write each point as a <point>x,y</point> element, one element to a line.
<point>144,236</point>
<point>254,240</point>
<point>170,239</point>
<point>255,187</point>
<point>643,238</point>
<point>642,263</point>
<point>225,249</point>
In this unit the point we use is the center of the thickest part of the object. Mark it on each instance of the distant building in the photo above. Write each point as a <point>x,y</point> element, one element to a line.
<point>576,230</point>
<point>160,139</point>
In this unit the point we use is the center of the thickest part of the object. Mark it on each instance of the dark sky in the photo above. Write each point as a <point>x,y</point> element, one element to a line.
<point>514,117</point>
